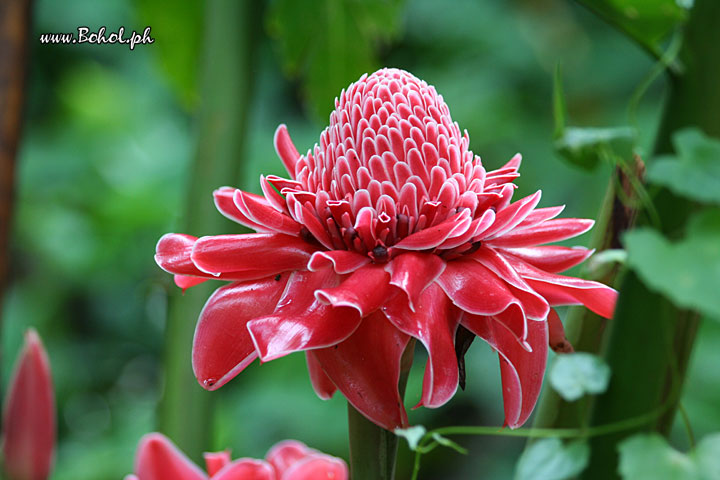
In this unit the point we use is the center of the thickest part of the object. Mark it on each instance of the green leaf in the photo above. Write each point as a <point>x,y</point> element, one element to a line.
<point>649,457</point>
<point>586,147</point>
<point>413,435</point>
<point>330,43</point>
<point>707,457</point>
<point>687,272</point>
<point>559,106</point>
<point>695,171</point>
<point>647,22</point>
<point>574,374</point>
<point>549,459</point>
<point>446,442</point>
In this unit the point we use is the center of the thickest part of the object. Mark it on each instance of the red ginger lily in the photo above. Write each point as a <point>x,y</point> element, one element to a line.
<point>389,229</point>
<point>28,435</point>
<point>158,459</point>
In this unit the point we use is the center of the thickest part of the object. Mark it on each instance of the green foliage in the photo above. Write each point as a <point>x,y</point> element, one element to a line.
<point>649,457</point>
<point>573,375</point>
<point>648,22</point>
<point>695,171</point>
<point>550,459</point>
<point>331,43</point>
<point>688,271</point>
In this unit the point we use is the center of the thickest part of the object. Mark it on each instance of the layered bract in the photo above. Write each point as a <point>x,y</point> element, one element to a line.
<point>389,229</point>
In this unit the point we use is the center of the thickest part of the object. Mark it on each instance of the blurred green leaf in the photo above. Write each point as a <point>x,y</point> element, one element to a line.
<point>707,456</point>
<point>688,271</point>
<point>695,171</point>
<point>413,435</point>
<point>649,457</point>
<point>586,147</point>
<point>550,459</point>
<point>559,106</point>
<point>574,374</point>
<point>330,43</point>
<point>647,22</point>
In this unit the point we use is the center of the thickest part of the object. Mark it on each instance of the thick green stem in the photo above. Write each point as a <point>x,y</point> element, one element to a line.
<point>373,449</point>
<point>651,340</point>
<point>232,29</point>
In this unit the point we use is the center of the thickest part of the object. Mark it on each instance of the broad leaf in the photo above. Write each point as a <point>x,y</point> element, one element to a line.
<point>649,457</point>
<point>647,22</point>
<point>574,374</point>
<point>586,147</point>
<point>695,171</point>
<point>687,272</point>
<point>550,459</point>
<point>707,457</point>
<point>330,43</point>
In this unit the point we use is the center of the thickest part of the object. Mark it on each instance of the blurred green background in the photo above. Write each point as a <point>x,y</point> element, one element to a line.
<point>105,163</point>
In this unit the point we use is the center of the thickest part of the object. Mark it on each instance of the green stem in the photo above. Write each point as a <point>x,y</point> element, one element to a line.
<point>373,449</point>
<point>232,29</point>
<point>651,340</point>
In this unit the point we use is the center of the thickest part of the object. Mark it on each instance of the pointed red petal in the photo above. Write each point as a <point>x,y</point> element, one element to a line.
<point>255,252</point>
<point>546,232</point>
<point>562,290</point>
<point>514,320</point>
<point>366,369</point>
<point>553,259</point>
<point>431,237</point>
<point>510,216</point>
<point>474,288</point>
<point>434,323</point>
<point>222,347</point>
<point>365,290</point>
<point>521,371</point>
<point>557,339</point>
<point>215,461</point>
<point>225,203</point>
<point>29,414</point>
<point>534,305</point>
<point>286,149</point>
<point>342,261</point>
<point>159,459</point>
<point>172,254</point>
<point>412,272</point>
<point>185,281</point>
<point>323,386</point>
<point>286,453</point>
<point>318,467</point>
<point>539,215</point>
<point>301,322</point>
<point>246,469</point>
<point>260,211</point>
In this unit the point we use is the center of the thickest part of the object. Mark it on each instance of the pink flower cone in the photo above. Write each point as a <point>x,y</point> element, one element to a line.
<point>158,459</point>
<point>29,415</point>
<point>389,228</point>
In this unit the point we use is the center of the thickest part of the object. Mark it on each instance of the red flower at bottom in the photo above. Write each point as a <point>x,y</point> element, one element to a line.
<point>389,229</point>
<point>158,459</point>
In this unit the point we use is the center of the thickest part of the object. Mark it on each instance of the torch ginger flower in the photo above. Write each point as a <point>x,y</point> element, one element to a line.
<point>389,229</point>
<point>158,459</point>
<point>28,437</point>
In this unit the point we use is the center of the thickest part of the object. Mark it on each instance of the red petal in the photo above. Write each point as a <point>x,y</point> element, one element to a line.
<point>558,342</point>
<point>286,149</point>
<point>413,272</point>
<point>222,346</point>
<point>29,414</point>
<point>534,305</point>
<point>225,203</point>
<point>257,253</point>
<point>474,288</point>
<point>434,324</point>
<point>286,453</point>
<point>509,217</point>
<point>431,237</point>
<point>246,469</point>
<point>260,211</point>
<point>521,371</point>
<point>365,290</point>
<point>318,467</point>
<point>342,261</point>
<point>366,369</point>
<point>172,254</point>
<point>562,290</point>
<point>552,258</point>
<point>323,386</point>
<point>272,196</point>
<point>546,232</point>
<point>185,282</point>
<point>514,320</point>
<point>159,459</point>
<point>300,322</point>
<point>215,461</point>
<point>539,215</point>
